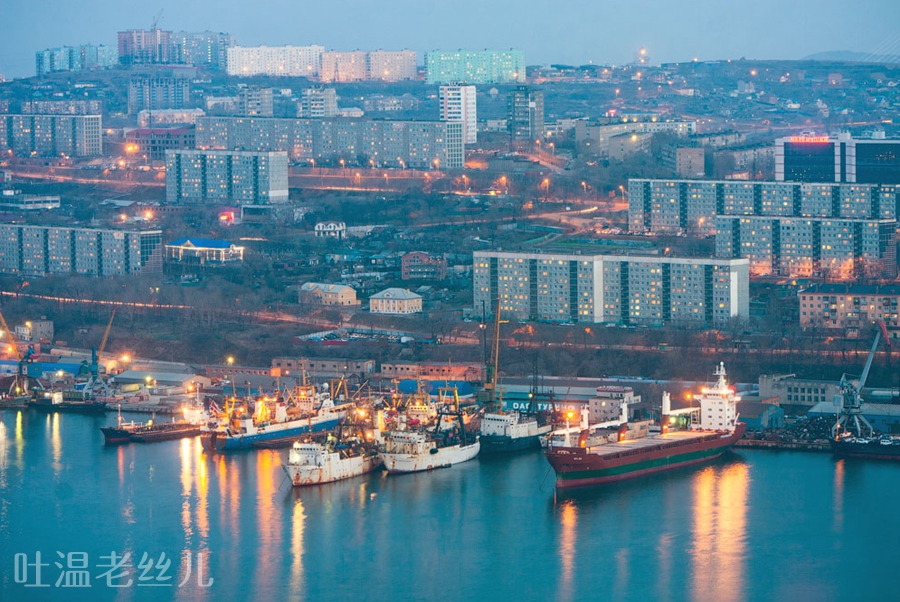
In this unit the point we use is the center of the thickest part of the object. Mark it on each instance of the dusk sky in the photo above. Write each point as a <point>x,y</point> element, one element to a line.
<point>572,32</point>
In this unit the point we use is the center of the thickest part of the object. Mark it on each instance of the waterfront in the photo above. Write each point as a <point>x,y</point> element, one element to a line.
<point>756,525</point>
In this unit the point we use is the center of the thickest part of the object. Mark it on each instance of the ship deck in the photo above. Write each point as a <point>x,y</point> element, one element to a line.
<point>646,443</point>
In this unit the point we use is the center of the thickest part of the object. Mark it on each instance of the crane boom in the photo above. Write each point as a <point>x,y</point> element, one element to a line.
<point>495,354</point>
<point>865,374</point>
<point>12,340</point>
<point>106,332</point>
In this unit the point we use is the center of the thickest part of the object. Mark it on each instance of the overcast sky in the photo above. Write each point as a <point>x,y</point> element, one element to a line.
<point>549,31</point>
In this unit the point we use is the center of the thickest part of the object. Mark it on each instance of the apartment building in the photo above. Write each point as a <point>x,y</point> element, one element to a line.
<point>51,250</point>
<point>242,177</point>
<point>617,289</point>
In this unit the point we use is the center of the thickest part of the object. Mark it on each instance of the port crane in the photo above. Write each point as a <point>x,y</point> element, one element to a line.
<point>494,367</point>
<point>851,418</point>
<point>19,385</point>
<point>93,369</point>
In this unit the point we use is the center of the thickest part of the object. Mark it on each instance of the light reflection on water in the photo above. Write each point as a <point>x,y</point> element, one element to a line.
<point>486,526</point>
<point>719,535</point>
<point>568,541</point>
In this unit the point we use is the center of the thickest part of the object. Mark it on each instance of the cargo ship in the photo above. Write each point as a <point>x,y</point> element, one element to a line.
<point>878,448</point>
<point>612,452</point>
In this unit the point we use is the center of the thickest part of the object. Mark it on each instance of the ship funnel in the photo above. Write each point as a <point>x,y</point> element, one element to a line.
<point>666,404</point>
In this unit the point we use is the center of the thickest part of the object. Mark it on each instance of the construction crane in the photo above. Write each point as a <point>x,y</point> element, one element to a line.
<point>156,19</point>
<point>851,418</point>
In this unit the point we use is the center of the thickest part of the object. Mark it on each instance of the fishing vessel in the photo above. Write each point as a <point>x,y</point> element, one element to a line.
<point>311,463</point>
<point>239,427</point>
<point>408,450</point>
<point>613,452</point>
<point>512,431</point>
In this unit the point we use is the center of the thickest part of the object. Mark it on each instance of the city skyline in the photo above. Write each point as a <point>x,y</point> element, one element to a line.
<point>607,32</point>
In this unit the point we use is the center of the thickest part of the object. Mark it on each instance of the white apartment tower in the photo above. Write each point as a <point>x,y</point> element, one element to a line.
<point>318,103</point>
<point>458,105</point>
<point>281,61</point>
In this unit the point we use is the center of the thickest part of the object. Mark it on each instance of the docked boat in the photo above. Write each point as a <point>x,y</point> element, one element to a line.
<point>239,428</point>
<point>311,463</point>
<point>877,448</point>
<point>152,431</point>
<point>512,431</point>
<point>18,402</point>
<point>407,450</point>
<point>612,452</point>
<point>52,401</point>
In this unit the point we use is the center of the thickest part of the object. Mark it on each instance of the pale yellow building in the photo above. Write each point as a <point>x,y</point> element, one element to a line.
<point>339,295</point>
<point>395,301</point>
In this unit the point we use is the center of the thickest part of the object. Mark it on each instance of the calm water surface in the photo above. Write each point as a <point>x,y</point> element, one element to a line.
<point>756,525</point>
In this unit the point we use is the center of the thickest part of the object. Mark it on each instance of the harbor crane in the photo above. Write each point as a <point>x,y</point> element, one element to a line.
<point>93,369</point>
<point>851,418</point>
<point>494,367</point>
<point>19,385</point>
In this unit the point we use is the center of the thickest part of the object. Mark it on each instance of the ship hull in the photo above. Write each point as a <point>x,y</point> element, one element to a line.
<point>398,463</point>
<point>874,450</point>
<point>154,435</point>
<point>503,444</point>
<point>75,407</point>
<point>115,436</point>
<point>306,475</point>
<point>220,441</point>
<point>576,467</point>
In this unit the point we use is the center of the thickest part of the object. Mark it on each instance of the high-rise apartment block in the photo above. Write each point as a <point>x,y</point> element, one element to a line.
<point>620,289</point>
<point>344,67</point>
<point>415,144</point>
<point>281,61</point>
<point>202,49</point>
<point>691,206</point>
<point>145,47</point>
<point>784,228</point>
<point>242,177</point>
<point>153,93</point>
<point>50,250</point>
<point>75,58</point>
<point>391,65</point>
<point>458,104</point>
<point>475,67</point>
<point>837,159</point>
<point>254,101</point>
<point>525,113</point>
<point>51,135</point>
<point>838,249</point>
<point>318,103</point>
<point>63,107</point>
